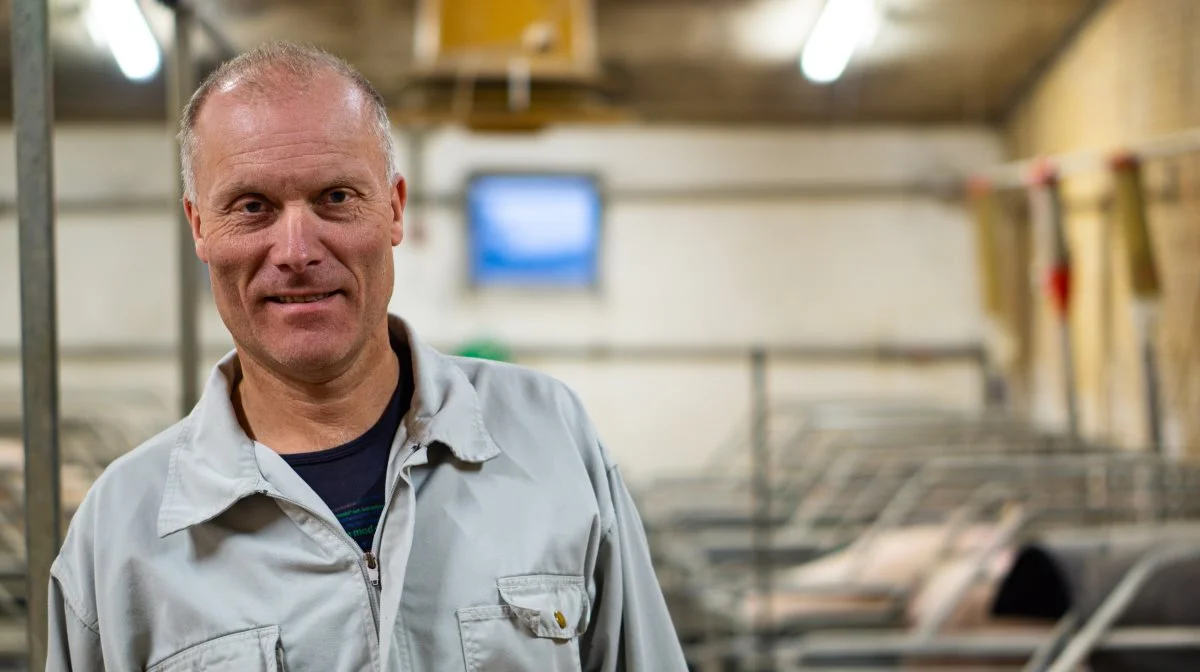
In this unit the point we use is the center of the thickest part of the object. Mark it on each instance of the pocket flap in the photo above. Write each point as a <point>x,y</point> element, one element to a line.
<point>255,650</point>
<point>548,605</point>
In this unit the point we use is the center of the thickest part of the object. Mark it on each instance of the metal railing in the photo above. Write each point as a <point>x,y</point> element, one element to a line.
<point>847,480</point>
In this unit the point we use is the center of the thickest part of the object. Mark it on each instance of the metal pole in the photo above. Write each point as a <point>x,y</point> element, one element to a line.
<point>1153,401</point>
<point>1114,606</point>
<point>1047,205</point>
<point>762,501</point>
<point>986,211</point>
<point>33,111</point>
<point>181,85</point>
<point>417,212</point>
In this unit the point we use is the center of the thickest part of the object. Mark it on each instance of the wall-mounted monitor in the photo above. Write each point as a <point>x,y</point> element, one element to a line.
<point>534,230</point>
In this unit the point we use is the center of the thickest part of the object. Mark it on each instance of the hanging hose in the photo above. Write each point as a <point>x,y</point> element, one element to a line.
<point>1130,206</point>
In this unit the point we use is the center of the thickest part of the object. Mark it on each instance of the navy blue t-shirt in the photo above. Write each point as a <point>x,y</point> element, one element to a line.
<point>351,478</point>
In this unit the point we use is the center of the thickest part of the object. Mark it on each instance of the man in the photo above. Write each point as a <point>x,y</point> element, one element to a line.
<point>344,498</point>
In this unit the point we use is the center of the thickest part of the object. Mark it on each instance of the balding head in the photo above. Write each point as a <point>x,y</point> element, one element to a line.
<point>274,70</point>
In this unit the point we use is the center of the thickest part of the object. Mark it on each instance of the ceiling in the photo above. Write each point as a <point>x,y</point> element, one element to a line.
<point>671,61</point>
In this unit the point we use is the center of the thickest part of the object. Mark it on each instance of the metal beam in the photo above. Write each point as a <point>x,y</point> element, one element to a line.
<point>909,354</point>
<point>661,196</point>
<point>1016,175</point>
<point>1099,627</point>
<point>181,84</point>
<point>33,98</point>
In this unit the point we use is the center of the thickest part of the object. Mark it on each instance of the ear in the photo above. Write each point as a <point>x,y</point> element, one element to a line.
<point>193,217</point>
<point>399,201</point>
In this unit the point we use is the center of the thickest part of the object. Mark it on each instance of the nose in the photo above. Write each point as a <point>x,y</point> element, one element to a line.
<point>296,245</point>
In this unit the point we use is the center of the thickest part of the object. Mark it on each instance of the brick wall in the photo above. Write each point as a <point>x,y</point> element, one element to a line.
<point>1132,73</point>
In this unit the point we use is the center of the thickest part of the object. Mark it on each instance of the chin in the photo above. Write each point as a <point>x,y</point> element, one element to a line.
<point>308,354</point>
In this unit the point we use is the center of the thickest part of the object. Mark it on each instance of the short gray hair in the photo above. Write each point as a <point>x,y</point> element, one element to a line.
<point>259,69</point>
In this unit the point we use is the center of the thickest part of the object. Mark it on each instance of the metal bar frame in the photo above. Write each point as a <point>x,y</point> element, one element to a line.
<point>181,84</point>
<point>940,469</point>
<point>911,354</point>
<point>1101,622</point>
<point>33,108</point>
<point>761,492</point>
<point>1014,175</point>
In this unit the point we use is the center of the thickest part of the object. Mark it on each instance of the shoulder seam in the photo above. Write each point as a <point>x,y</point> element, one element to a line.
<point>94,627</point>
<point>71,600</point>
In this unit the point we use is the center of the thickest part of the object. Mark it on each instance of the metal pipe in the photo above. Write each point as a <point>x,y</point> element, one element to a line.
<point>760,438</point>
<point>1013,175</point>
<point>913,354</point>
<point>664,196</point>
<point>1115,604</point>
<point>1009,526</point>
<point>1053,644</point>
<point>33,111</point>
<point>1045,193</point>
<point>1153,399</point>
<point>416,212</point>
<point>181,85</point>
<point>986,213</point>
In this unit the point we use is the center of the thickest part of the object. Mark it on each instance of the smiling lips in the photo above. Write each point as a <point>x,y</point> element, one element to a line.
<point>302,298</point>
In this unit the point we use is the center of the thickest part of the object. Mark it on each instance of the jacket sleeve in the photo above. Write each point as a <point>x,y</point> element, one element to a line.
<point>631,629</point>
<point>73,644</point>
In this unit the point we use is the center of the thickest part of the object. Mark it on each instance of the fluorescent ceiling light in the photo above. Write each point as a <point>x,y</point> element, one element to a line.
<point>841,28</point>
<point>766,31</point>
<point>121,26</point>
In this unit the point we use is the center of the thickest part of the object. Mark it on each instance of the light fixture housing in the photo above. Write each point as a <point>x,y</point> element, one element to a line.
<point>120,26</point>
<point>842,27</point>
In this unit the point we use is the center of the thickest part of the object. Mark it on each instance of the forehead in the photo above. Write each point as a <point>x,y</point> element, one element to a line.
<point>284,125</point>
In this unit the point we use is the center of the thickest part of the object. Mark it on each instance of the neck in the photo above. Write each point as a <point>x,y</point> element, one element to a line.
<point>296,416</point>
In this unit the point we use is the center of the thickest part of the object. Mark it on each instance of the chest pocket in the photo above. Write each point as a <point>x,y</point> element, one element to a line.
<point>536,628</point>
<point>256,650</point>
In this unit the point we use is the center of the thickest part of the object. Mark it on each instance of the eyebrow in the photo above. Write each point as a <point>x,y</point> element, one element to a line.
<point>222,194</point>
<point>225,193</point>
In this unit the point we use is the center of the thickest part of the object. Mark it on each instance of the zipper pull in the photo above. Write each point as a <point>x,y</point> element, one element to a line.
<point>372,567</point>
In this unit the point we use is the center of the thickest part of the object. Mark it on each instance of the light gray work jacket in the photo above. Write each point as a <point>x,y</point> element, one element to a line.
<point>508,541</point>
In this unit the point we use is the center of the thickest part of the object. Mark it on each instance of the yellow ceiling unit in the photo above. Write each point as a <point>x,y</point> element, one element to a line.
<point>506,65</point>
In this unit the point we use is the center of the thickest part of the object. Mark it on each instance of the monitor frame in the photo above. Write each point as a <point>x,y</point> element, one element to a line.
<point>595,287</point>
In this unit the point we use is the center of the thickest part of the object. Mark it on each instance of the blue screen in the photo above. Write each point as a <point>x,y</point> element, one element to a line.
<point>534,230</point>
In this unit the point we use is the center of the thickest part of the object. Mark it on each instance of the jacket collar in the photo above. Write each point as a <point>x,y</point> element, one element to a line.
<point>213,463</point>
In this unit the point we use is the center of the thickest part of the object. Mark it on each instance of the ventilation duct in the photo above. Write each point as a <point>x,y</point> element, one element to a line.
<point>512,65</point>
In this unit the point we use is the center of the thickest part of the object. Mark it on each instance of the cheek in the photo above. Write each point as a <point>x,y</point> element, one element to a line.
<point>370,253</point>
<point>232,262</point>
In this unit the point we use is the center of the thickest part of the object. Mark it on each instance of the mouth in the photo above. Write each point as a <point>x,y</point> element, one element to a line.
<point>301,298</point>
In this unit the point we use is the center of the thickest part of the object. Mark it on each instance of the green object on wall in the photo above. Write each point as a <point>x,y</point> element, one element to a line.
<point>485,348</point>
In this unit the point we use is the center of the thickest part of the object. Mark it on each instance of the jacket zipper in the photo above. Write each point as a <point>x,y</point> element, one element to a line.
<point>370,574</point>
<point>374,566</point>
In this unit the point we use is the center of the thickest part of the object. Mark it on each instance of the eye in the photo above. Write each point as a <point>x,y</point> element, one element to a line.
<point>337,196</point>
<point>251,205</point>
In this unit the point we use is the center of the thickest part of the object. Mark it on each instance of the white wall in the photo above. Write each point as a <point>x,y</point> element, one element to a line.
<point>687,270</point>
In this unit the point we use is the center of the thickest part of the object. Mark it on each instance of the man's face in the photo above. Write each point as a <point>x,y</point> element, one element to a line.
<point>296,218</point>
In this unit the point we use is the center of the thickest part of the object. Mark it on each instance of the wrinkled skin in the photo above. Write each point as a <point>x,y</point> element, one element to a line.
<point>294,200</point>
